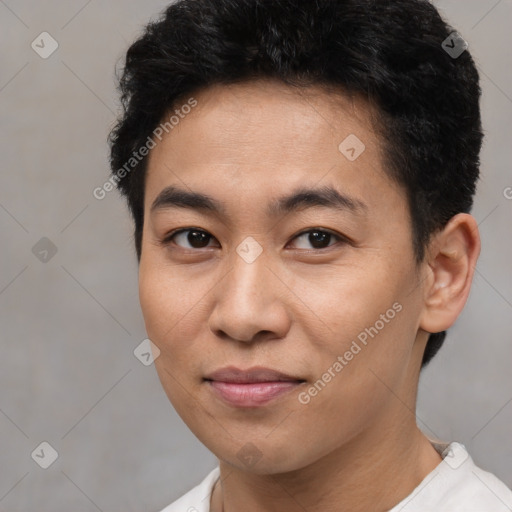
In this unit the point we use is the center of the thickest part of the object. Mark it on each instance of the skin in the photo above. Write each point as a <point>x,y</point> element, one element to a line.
<point>355,446</point>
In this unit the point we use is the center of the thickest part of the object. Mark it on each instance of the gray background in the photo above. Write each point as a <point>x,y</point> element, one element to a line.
<point>69,326</point>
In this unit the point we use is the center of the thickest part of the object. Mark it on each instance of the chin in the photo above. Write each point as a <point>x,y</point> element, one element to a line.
<point>261,457</point>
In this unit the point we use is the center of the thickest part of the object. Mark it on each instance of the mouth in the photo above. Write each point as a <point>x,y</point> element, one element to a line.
<point>252,387</point>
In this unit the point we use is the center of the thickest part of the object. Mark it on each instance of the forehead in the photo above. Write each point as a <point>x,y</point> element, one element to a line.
<point>286,119</point>
<point>266,136</point>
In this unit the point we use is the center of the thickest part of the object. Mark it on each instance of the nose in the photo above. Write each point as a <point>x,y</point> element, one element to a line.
<point>249,302</point>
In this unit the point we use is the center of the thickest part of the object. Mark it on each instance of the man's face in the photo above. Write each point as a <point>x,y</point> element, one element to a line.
<point>293,290</point>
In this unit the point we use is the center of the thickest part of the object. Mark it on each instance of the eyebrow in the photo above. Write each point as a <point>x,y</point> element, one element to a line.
<point>301,198</point>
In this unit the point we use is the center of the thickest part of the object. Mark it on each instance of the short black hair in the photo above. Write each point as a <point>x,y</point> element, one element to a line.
<point>388,51</point>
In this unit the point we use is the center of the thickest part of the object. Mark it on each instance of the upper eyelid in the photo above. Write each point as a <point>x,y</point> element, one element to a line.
<point>341,238</point>
<point>167,238</point>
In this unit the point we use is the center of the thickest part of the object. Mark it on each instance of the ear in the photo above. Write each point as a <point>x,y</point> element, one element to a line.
<point>451,260</point>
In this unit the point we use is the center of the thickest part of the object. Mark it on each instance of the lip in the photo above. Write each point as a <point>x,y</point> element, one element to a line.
<point>252,387</point>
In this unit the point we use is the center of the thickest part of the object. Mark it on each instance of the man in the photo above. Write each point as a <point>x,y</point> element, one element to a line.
<point>300,174</point>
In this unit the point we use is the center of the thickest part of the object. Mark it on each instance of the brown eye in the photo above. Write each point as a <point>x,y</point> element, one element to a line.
<point>195,238</point>
<point>317,238</point>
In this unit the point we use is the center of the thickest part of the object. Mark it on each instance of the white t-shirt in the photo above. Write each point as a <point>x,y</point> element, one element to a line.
<point>455,485</point>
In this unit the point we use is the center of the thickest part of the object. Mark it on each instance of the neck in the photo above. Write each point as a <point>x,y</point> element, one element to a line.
<point>369,473</point>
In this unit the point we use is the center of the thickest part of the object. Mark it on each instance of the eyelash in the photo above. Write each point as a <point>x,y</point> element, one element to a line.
<point>166,241</point>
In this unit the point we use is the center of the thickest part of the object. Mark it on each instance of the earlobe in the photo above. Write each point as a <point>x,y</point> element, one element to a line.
<point>452,258</point>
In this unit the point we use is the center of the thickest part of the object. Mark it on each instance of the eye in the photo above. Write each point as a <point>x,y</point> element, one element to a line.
<point>199,239</point>
<point>196,238</point>
<point>318,238</point>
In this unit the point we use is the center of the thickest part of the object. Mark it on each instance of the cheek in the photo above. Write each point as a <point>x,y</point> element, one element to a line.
<point>353,381</point>
<point>172,325</point>
<point>369,321</point>
<point>346,300</point>
<point>168,304</point>
<point>156,300</point>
